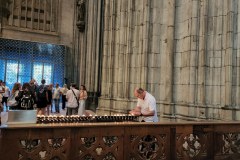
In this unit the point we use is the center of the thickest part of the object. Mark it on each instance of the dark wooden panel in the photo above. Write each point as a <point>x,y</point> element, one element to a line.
<point>147,142</point>
<point>118,141</point>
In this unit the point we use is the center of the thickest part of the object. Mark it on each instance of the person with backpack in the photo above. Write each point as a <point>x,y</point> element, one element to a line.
<point>26,98</point>
<point>42,98</point>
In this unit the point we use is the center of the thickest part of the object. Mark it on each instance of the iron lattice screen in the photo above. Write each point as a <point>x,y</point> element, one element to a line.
<point>21,60</point>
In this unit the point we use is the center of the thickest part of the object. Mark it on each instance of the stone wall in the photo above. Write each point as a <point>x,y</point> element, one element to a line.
<point>138,51</point>
<point>184,52</point>
<point>48,21</point>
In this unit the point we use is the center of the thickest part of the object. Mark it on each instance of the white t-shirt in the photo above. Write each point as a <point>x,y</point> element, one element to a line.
<point>64,90</point>
<point>71,100</point>
<point>1,89</point>
<point>56,93</point>
<point>146,104</point>
<point>7,92</point>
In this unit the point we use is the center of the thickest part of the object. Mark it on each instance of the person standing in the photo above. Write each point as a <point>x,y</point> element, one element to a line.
<point>56,97</point>
<point>12,103</point>
<point>42,98</point>
<point>49,103</point>
<point>6,94</point>
<point>1,97</point>
<point>1,106</point>
<point>82,100</point>
<point>64,90</point>
<point>146,106</point>
<point>2,89</point>
<point>26,98</point>
<point>72,100</point>
<point>33,85</point>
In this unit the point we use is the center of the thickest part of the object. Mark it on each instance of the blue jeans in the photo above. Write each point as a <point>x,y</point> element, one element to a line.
<point>56,102</point>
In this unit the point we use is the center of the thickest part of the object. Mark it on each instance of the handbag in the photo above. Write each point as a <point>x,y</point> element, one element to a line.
<point>11,101</point>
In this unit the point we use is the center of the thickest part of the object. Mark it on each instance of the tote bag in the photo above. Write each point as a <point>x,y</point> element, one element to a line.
<point>11,101</point>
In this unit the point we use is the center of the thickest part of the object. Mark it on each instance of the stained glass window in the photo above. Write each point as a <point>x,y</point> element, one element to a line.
<point>20,61</point>
<point>2,67</point>
<point>37,71</point>
<point>42,71</point>
<point>47,73</point>
<point>11,72</point>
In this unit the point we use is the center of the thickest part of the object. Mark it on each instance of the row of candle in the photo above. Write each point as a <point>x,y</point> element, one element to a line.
<point>90,118</point>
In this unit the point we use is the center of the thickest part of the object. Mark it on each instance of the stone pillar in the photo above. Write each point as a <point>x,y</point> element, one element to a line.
<point>87,48</point>
<point>167,62</point>
<point>183,52</point>
<point>200,88</point>
<point>228,48</point>
<point>126,29</point>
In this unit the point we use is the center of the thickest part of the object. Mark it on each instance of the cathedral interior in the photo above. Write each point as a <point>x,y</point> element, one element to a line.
<point>184,52</point>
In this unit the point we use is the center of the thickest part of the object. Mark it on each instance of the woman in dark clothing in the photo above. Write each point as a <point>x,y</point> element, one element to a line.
<point>49,103</point>
<point>26,98</point>
<point>42,98</point>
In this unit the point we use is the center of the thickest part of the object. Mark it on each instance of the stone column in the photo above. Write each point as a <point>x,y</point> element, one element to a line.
<point>200,89</point>
<point>167,62</point>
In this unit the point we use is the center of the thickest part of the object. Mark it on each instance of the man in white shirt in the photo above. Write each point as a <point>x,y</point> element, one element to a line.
<point>72,100</point>
<point>6,94</point>
<point>146,106</point>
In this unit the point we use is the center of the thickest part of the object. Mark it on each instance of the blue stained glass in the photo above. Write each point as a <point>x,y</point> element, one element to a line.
<point>2,66</point>
<point>11,72</point>
<point>31,60</point>
<point>24,72</point>
<point>48,73</point>
<point>37,71</point>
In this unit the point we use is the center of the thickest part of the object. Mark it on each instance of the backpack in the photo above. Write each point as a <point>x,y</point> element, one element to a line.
<point>41,93</point>
<point>26,101</point>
